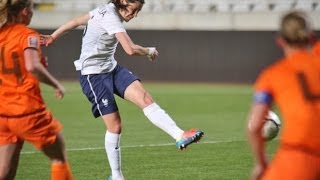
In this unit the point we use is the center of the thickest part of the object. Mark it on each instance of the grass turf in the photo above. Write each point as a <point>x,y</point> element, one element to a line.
<point>147,152</point>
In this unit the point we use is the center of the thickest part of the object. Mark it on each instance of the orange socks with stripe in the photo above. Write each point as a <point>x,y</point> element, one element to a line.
<point>61,172</point>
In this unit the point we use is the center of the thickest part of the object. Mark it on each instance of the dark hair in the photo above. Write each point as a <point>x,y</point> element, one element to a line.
<point>9,10</point>
<point>119,5</point>
<point>296,29</point>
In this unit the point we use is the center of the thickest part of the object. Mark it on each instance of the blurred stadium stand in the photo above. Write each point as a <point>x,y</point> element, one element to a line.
<point>185,14</point>
<point>216,40</point>
<point>189,6</point>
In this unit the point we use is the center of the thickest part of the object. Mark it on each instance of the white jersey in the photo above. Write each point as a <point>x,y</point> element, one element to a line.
<point>99,42</point>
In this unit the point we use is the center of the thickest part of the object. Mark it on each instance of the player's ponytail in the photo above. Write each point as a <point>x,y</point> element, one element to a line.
<point>9,10</point>
<point>3,12</point>
<point>296,29</point>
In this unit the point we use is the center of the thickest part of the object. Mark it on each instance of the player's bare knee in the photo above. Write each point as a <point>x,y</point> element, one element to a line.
<point>115,128</point>
<point>147,99</point>
<point>112,122</point>
<point>56,152</point>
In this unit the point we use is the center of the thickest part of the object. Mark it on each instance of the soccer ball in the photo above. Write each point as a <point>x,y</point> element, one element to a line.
<point>271,126</point>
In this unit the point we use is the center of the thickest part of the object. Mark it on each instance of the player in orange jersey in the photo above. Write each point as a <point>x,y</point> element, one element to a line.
<point>23,114</point>
<point>293,84</point>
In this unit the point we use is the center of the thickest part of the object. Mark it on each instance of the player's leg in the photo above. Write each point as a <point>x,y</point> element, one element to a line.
<point>57,154</point>
<point>136,93</point>
<point>43,131</point>
<point>99,91</point>
<point>10,147</point>
<point>112,143</point>
<point>128,86</point>
<point>9,159</point>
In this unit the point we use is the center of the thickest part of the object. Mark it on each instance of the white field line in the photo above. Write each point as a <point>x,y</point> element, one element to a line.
<point>137,146</point>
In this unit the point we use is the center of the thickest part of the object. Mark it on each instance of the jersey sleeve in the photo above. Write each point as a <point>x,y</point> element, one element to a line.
<point>263,89</point>
<point>109,19</point>
<point>112,24</point>
<point>30,39</point>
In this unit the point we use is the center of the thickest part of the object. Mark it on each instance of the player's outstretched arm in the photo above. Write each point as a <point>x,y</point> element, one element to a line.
<point>65,28</point>
<point>133,49</point>
<point>34,66</point>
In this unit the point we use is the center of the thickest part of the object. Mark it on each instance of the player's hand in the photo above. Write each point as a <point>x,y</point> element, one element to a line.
<point>59,91</point>
<point>152,54</point>
<point>258,172</point>
<point>46,40</point>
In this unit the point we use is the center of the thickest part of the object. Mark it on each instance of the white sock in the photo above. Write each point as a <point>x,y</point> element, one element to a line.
<point>112,145</point>
<point>162,120</point>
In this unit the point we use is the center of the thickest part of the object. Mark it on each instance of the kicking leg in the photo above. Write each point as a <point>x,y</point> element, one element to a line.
<point>139,96</point>
<point>136,93</point>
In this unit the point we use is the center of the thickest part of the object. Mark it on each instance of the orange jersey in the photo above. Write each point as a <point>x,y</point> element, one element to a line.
<point>316,48</point>
<point>294,84</point>
<point>19,89</point>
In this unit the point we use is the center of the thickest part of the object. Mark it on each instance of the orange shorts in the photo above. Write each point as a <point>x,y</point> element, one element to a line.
<point>293,164</point>
<point>40,129</point>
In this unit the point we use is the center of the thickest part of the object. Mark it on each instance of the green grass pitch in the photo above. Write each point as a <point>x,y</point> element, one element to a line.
<point>147,152</point>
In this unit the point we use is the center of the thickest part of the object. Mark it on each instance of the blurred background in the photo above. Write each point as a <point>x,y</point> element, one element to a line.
<point>224,41</point>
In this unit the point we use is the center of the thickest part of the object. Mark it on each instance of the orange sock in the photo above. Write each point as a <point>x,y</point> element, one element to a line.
<point>61,172</point>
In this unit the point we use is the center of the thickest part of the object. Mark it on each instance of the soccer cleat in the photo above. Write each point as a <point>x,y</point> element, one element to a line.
<point>189,137</point>
<point>110,178</point>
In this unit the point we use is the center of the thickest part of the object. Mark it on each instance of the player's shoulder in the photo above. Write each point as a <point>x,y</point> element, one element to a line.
<point>274,67</point>
<point>268,74</point>
<point>109,7</point>
<point>27,37</point>
<point>24,32</point>
<point>14,30</point>
<point>105,9</point>
<point>22,29</point>
<point>106,13</point>
<point>15,33</point>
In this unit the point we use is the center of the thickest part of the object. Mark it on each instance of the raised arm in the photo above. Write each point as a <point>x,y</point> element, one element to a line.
<point>65,28</point>
<point>133,49</point>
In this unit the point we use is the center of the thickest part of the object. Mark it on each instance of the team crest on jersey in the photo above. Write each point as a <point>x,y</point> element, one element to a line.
<point>32,42</point>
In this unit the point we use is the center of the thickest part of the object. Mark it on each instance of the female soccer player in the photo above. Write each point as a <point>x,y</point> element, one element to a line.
<point>293,83</point>
<point>23,114</point>
<point>102,77</point>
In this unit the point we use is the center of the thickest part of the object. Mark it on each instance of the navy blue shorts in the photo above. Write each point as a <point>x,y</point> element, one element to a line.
<point>100,89</point>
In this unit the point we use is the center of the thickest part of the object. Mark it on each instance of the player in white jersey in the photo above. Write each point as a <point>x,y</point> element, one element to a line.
<point>101,77</point>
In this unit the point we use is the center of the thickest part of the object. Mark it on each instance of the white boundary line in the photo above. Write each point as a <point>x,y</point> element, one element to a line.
<point>137,146</point>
